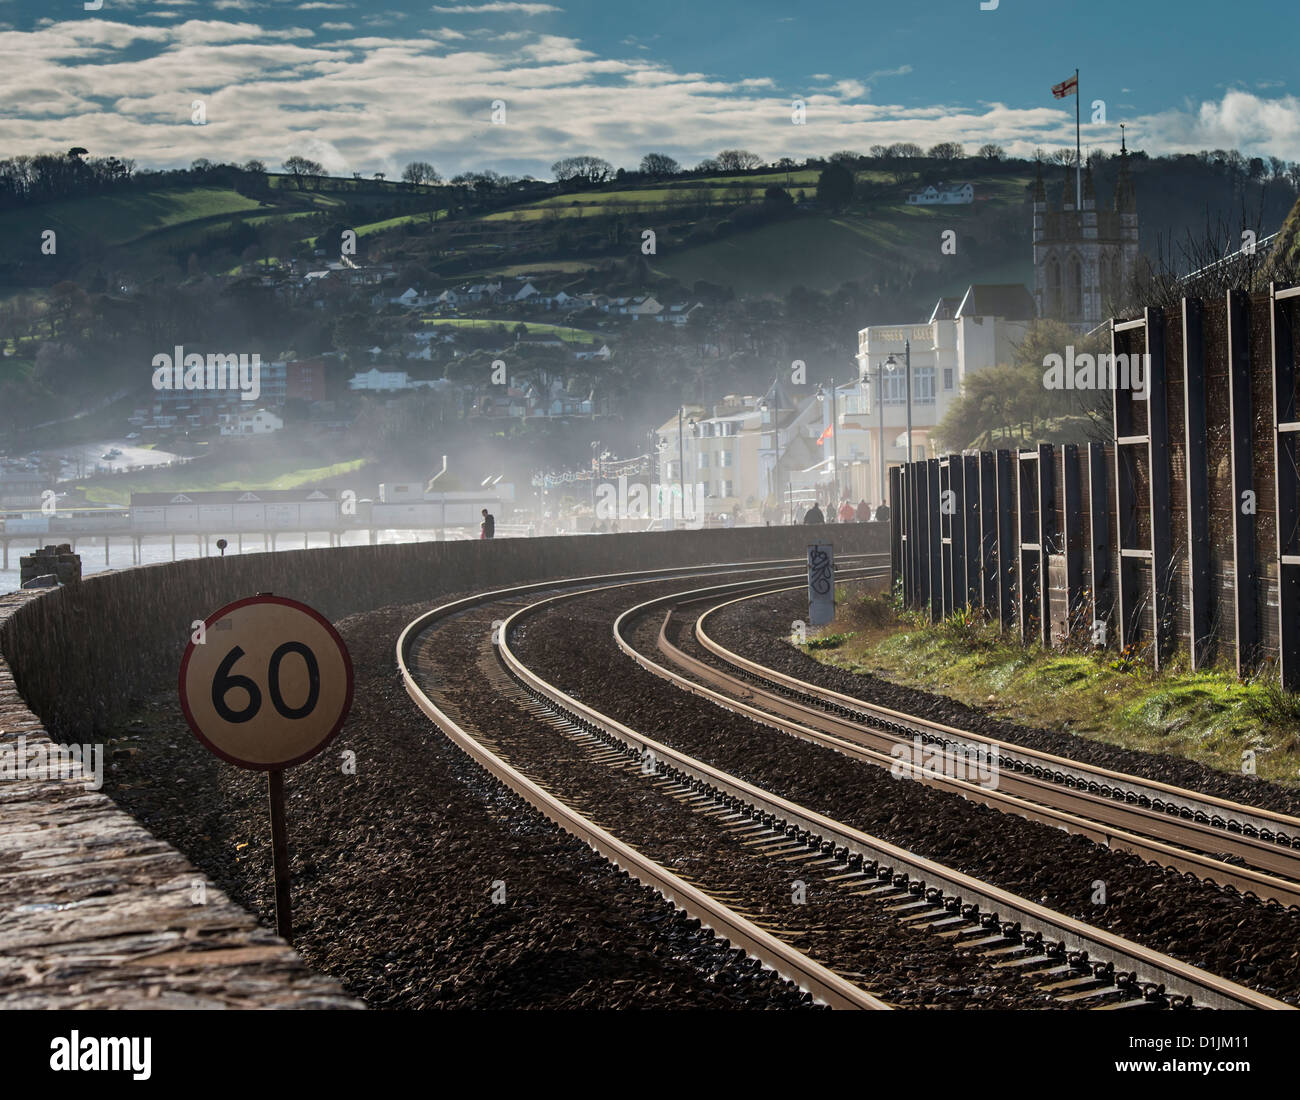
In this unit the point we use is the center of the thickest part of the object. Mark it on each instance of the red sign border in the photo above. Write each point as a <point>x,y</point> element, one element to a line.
<point>220,613</point>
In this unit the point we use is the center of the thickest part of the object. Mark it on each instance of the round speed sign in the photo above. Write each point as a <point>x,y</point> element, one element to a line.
<point>266,683</point>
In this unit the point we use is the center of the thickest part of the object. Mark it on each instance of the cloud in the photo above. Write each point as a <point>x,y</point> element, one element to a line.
<point>496,6</point>
<point>384,99</point>
<point>1240,120</point>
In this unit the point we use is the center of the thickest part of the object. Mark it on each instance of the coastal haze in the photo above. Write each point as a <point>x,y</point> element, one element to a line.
<point>803,505</point>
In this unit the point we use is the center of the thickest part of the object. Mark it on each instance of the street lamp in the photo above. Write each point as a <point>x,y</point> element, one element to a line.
<point>774,407</point>
<point>892,363</point>
<point>835,441</point>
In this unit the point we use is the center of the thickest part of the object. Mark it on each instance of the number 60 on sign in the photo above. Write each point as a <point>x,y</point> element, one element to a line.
<point>269,686</point>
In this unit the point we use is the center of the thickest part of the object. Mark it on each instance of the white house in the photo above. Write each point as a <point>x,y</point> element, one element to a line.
<point>644,306</point>
<point>384,381</point>
<point>481,292</point>
<point>979,330</point>
<point>410,297</point>
<point>943,194</point>
<point>678,314</point>
<point>525,292</point>
<point>602,352</point>
<point>250,422</point>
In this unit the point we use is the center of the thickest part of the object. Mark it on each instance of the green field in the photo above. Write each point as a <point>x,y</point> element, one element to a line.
<point>564,332</point>
<point>268,473</point>
<point>119,219</point>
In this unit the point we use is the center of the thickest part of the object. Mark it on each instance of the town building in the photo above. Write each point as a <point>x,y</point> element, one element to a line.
<point>250,422</point>
<point>943,194</point>
<point>1083,257</point>
<point>979,330</point>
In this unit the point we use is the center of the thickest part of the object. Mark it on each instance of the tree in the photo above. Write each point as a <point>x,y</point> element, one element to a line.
<point>255,166</point>
<point>737,160</point>
<point>778,197</point>
<point>300,167</point>
<point>845,156</point>
<point>835,187</point>
<point>905,150</point>
<point>991,152</point>
<point>419,172</point>
<point>590,170</point>
<point>659,165</point>
<point>947,150</point>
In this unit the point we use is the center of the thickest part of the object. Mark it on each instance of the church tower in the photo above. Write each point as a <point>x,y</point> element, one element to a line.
<point>1083,257</point>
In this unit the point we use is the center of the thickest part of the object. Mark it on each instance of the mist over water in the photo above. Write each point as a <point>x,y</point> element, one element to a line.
<point>159,549</point>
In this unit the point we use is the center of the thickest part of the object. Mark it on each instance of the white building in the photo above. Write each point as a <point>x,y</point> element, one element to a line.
<point>981,329</point>
<point>943,194</point>
<point>385,381</point>
<point>250,422</point>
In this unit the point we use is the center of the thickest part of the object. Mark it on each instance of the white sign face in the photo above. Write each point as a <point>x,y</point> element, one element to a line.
<point>269,684</point>
<point>821,583</point>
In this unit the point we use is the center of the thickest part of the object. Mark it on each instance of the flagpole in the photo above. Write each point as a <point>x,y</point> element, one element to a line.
<point>1078,147</point>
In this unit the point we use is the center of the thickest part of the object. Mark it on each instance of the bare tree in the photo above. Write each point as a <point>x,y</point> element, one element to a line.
<point>737,160</point>
<point>420,172</point>
<point>301,168</point>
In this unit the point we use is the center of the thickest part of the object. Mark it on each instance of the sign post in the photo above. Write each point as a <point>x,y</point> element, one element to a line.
<point>265,685</point>
<point>821,583</point>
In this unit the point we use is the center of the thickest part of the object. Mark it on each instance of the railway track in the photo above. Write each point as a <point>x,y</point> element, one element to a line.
<point>1250,849</point>
<point>723,848</point>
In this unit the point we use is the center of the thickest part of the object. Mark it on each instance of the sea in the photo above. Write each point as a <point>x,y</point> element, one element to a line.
<point>158,548</point>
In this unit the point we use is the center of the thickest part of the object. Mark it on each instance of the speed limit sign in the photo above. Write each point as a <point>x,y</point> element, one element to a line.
<point>265,683</point>
<point>269,684</point>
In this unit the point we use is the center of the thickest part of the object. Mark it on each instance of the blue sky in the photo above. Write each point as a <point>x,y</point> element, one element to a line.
<point>368,87</point>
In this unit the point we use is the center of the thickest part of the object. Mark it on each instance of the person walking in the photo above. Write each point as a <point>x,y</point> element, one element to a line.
<point>488,528</point>
<point>864,511</point>
<point>846,511</point>
<point>882,514</point>
<point>814,515</point>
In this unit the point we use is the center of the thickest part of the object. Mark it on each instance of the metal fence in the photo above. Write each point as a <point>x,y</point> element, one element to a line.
<point>1182,533</point>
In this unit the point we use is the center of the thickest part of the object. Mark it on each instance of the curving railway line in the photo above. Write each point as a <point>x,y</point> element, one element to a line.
<point>1250,849</point>
<point>824,903</point>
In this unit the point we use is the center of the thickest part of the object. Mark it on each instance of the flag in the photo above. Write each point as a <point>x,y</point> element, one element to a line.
<point>1066,87</point>
<point>830,431</point>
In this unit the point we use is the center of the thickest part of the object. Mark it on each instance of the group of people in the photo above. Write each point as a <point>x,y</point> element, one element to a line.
<point>847,513</point>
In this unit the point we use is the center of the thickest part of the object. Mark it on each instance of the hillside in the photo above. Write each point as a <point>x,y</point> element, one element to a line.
<point>731,231</point>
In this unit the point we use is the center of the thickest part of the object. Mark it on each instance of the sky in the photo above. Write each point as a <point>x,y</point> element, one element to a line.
<point>370,87</point>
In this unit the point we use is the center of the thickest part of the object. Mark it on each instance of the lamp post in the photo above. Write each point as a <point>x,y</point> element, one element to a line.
<point>835,440</point>
<point>892,363</point>
<point>681,459</point>
<point>774,407</point>
<point>594,444</point>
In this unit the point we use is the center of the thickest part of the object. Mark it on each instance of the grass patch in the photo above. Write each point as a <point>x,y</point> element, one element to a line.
<point>535,328</point>
<point>204,474</point>
<point>1207,716</point>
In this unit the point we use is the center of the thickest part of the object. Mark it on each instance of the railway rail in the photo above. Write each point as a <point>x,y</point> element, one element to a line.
<point>1073,963</point>
<point>1250,849</point>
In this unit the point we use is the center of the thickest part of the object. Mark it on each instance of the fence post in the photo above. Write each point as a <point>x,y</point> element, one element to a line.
<point>1287,484</point>
<point>1198,485</point>
<point>1244,576</point>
